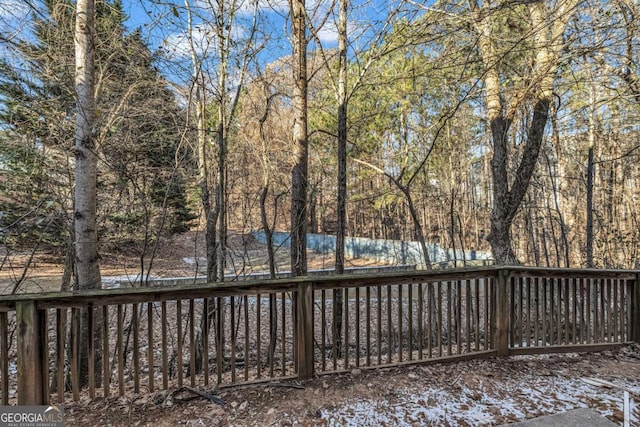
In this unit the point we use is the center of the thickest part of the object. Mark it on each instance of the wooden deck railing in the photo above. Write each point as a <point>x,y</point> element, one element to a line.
<point>143,339</point>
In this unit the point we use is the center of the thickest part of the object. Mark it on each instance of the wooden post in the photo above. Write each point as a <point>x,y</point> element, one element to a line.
<point>32,380</point>
<point>501,324</point>
<point>304,330</point>
<point>634,309</point>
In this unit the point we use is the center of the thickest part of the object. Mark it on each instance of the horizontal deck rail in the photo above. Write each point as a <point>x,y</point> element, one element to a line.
<point>56,347</point>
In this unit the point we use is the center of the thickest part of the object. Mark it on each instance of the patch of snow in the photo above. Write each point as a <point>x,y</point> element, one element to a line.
<point>115,282</point>
<point>193,261</point>
<point>516,401</point>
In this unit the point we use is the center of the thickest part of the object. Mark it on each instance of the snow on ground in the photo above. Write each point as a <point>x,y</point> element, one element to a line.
<point>480,406</point>
<point>115,282</point>
<point>484,392</point>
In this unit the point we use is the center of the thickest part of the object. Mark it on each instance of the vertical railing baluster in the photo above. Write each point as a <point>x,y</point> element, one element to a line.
<point>512,313</point>
<point>232,325</point>
<point>245,301</point>
<point>430,314</point>
<point>420,321</point>
<point>192,342</point>
<point>457,284</point>
<point>603,291</point>
<point>345,347</point>
<point>527,324</point>
<point>581,301</point>
<point>106,348</point>
<point>440,316</point>
<point>258,335</point>
<point>165,349</point>
<point>136,349</point>
<point>323,329</point>
<point>120,345</point>
<point>44,362</point>
<point>150,355</point>
<point>91,351</point>
<point>75,359</point>
<point>4,357</point>
<point>487,290</point>
<point>205,339</point>
<point>468,313</point>
<point>449,319</point>
<point>379,325</point>
<point>610,302</point>
<point>616,331</point>
<point>597,295</point>
<point>220,339</point>
<point>558,320</point>
<point>283,301</point>
<point>545,338</point>
<point>477,314</point>
<point>61,329</point>
<point>368,316</point>
<point>389,326</point>
<point>567,321</point>
<point>410,315</point>
<point>626,305</point>
<point>400,334</point>
<point>590,326</point>
<point>553,308</point>
<point>334,331</point>
<point>179,333</point>
<point>273,324</point>
<point>357,328</point>
<point>536,315</point>
<point>574,309</point>
<point>520,332</point>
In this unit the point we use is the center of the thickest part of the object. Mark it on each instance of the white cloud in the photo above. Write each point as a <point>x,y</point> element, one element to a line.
<point>247,7</point>
<point>328,34</point>
<point>178,45</point>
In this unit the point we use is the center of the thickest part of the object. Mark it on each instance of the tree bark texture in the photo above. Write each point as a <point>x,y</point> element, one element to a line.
<point>341,210</point>
<point>547,33</point>
<point>86,236</point>
<point>300,148</point>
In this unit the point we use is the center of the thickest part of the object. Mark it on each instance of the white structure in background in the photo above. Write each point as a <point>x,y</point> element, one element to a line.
<point>386,251</point>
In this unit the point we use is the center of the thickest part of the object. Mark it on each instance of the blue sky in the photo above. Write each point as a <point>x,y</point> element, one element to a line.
<point>164,27</point>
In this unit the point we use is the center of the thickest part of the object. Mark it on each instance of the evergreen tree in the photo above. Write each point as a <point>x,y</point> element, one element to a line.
<point>138,132</point>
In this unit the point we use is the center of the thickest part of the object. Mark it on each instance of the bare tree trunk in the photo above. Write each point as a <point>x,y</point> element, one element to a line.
<point>299,174</point>
<point>341,210</point>
<point>87,266</point>
<point>221,187</point>
<point>556,186</point>
<point>199,101</point>
<point>547,34</point>
<point>452,227</point>
<point>590,177</point>
<point>86,237</point>
<point>266,184</point>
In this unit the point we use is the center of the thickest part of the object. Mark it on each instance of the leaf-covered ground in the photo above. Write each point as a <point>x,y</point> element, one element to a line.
<point>473,393</point>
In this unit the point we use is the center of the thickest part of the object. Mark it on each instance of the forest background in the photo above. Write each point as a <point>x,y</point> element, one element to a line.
<point>505,126</point>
